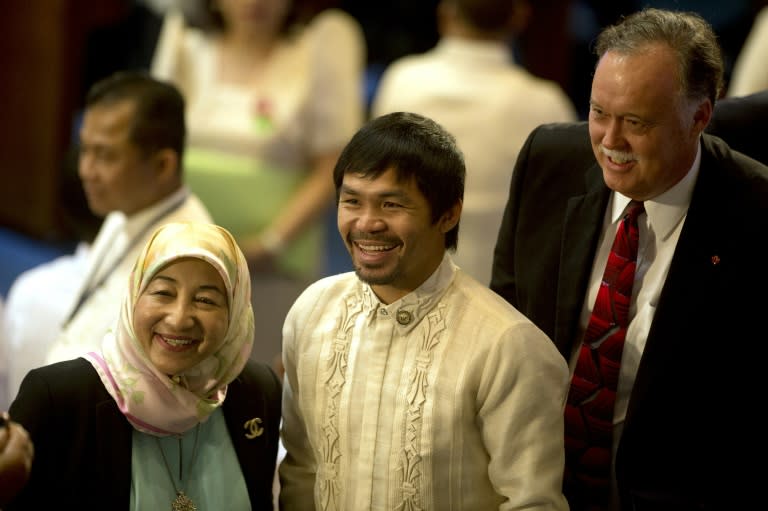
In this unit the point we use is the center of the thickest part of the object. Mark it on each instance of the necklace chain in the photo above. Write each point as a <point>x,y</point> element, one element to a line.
<point>182,502</point>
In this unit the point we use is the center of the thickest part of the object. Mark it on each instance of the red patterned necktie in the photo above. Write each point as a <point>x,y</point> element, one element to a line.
<point>589,409</point>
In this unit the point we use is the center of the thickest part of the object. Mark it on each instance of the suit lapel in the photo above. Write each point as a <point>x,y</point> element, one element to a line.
<point>690,269</point>
<point>581,231</point>
<point>252,430</point>
<point>236,409</point>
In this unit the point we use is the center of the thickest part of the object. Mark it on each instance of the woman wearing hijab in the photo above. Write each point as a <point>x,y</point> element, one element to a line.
<point>170,414</point>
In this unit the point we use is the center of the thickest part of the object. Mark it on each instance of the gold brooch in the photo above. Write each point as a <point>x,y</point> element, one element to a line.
<point>254,428</point>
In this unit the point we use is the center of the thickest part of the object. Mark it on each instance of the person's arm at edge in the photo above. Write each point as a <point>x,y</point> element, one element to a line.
<point>16,455</point>
<point>521,417</point>
<point>308,203</point>
<point>298,469</point>
<point>166,56</point>
<point>34,410</point>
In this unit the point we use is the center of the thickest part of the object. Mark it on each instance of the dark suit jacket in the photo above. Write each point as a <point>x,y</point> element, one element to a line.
<point>741,122</point>
<point>83,442</point>
<point>685,436</point>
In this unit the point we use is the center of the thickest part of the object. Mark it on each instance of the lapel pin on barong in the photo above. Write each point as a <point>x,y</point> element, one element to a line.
<point>404,317</point>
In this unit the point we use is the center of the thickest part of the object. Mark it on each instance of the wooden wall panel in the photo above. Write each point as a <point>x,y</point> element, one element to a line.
<point>32,47</point>
<point>42,43</point>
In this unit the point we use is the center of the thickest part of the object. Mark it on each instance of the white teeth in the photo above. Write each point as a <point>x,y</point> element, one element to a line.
<point>178,342</point>
<point>375,248</point>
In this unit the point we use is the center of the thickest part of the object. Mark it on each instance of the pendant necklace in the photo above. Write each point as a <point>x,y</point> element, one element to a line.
<point>182,502</point>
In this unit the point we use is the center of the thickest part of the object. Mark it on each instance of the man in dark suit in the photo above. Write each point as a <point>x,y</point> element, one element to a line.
<point>741,122</point>
<point>688,367</point>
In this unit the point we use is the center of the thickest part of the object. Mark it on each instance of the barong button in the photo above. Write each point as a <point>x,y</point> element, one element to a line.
<point>404,317</point>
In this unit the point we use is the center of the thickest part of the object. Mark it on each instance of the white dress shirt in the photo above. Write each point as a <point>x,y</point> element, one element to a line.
<point>660,228</point>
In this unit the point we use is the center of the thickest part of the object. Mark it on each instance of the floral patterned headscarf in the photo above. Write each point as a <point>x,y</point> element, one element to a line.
<point>152,401</point>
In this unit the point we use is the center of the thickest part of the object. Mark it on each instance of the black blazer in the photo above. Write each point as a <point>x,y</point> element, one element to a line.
<point>687,428</point>
<point>83,442</point>
<point>741,122</point>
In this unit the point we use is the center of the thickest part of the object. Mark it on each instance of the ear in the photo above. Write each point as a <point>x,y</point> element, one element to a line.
<point>166,164</point>
<point>702,115</point>
<point>451,217</point>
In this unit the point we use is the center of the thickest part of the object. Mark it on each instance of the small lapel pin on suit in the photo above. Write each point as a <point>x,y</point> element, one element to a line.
<point>715,260</point>
<point>253,428</point>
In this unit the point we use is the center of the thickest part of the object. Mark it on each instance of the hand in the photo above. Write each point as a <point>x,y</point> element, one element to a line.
<point>16,454</point>
<point>260,260</point>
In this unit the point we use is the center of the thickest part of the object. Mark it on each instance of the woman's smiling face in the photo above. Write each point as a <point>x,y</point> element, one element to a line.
<point>182,315</point>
